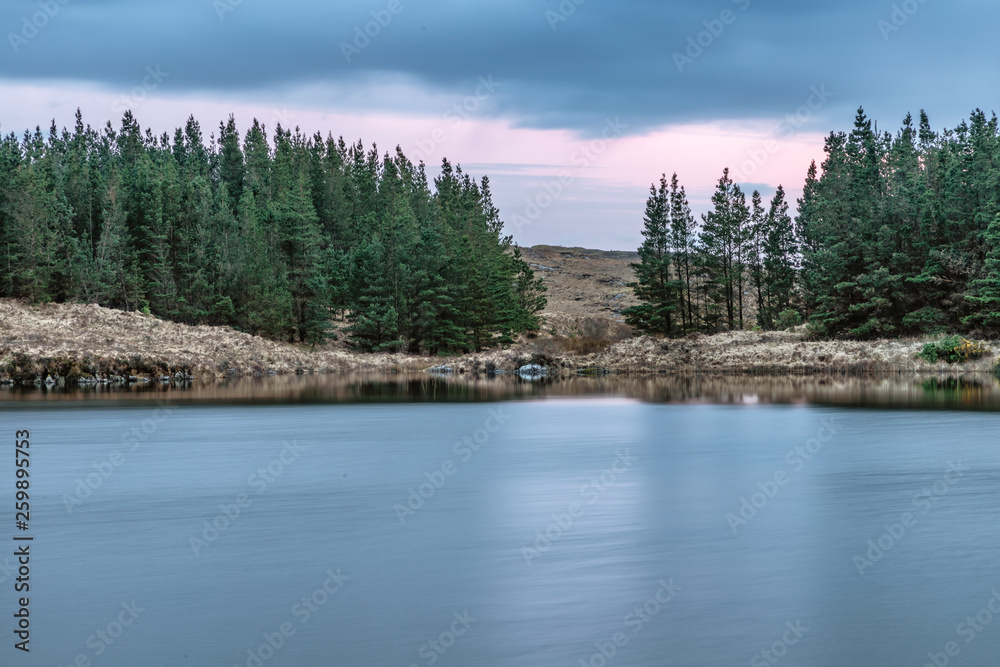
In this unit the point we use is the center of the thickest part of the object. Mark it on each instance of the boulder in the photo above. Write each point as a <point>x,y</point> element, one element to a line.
<point>532,371</point>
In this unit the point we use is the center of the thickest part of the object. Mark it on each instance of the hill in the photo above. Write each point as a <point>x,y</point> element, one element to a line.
<point>583,282</point>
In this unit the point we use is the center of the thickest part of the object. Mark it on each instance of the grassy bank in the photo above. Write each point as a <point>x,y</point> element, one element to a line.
<point>67,342</point>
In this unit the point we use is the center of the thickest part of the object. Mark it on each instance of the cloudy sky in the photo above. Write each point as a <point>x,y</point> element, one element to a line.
<point>572,107</point>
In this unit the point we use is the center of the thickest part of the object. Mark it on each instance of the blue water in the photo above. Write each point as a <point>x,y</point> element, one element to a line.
<point>468,577</point>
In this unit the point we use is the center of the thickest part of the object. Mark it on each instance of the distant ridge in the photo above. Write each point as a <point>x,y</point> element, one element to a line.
<point>603,254</point>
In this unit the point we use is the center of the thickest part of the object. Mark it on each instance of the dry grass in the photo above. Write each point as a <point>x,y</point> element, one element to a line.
<point>774,352</point>
<point>579,335</point>
<point>104,341</point>
<point>584,283</point>
<point>72,340</point>
<point>582,331</point>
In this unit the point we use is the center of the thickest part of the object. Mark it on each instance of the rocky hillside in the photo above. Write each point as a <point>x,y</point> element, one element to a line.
<point>584,282</point>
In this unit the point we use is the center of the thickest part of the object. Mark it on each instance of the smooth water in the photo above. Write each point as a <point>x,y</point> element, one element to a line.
<point>543,542</point>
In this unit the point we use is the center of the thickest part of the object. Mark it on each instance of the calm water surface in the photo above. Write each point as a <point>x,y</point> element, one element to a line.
<point>530,532</point>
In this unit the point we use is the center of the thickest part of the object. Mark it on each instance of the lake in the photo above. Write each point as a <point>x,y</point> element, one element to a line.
<point>666,521</point>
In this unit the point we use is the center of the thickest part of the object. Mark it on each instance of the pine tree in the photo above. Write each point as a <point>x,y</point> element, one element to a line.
<point>756,258</point>
<point>529,296</point>
<point>780,254</point>
<point>303,252</point>
<point>984,292</point>
<point>655,286</point>
<point>433,312</point>
<point>682,239</point>
<point>374,322</point>
<point>30,237</point>
<point>232,170</point>
<point>723,239</point>
<point>118,276</point>
<point>264,305</point>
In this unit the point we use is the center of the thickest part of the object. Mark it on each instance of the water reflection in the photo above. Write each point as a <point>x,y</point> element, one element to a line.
<point>967,392</point>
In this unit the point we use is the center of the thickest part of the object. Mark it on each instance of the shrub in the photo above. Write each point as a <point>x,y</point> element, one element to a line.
<point>954,350</point>
<point>787,319</point>
<point>594,334</point>
<point>543,351</point>
<point>816,330</point>
<point>586,336</point>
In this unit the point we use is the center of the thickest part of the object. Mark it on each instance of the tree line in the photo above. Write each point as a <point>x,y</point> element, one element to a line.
<point>737,266</point>
<point>895,235</point>
<point>276,236</point>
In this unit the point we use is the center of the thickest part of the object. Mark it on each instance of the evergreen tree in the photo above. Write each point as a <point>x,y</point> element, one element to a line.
<point>984,292</point>
<point>263,304</point>
<point>433,311</point>
<point>780,252</point>
<point>301,243</point>
<point>529,296</point>
<point>374,322</point>
<point>232,170</point>
<point>682,239</point>
<point>655,286</point>
<point>756,258</point>
<point>723,239</point>
<point>118,276</point>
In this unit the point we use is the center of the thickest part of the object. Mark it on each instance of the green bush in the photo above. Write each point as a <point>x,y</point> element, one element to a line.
<point>954,350</point>
<point>787,319</point>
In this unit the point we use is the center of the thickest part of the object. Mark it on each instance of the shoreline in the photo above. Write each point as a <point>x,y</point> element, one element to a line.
<point>68,344</point>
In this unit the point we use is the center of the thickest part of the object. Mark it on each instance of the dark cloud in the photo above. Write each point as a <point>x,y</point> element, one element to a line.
<point>559,68</point>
